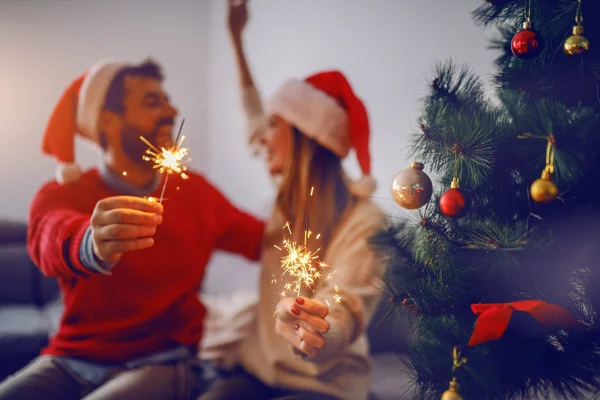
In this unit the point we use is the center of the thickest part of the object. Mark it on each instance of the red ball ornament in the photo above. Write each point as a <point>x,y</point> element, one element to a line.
<point>453,203</point>
<point>527,44</point>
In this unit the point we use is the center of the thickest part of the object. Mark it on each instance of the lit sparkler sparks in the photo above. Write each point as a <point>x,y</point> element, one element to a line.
<point>302,264</point>
<point>169,161</point>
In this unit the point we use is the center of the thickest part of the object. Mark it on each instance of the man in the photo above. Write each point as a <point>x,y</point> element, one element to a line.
<point>128,268</point>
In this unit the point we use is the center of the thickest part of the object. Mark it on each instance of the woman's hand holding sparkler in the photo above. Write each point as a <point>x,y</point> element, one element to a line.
<point>301,322</point>
<point>123,223</point>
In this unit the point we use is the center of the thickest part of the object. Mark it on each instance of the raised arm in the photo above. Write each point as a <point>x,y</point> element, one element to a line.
<point>256,120</point>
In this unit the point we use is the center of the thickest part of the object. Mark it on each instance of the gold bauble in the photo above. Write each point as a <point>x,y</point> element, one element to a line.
<point>412,188</point>
<point>543,190</point>
<point>576,43</point>
<point>452,392</point>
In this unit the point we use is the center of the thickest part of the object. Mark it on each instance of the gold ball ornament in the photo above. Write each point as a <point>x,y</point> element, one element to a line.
<point>411,187</point>
<point>576,43</point>
<point>543,190</point>
<point>453,391</point>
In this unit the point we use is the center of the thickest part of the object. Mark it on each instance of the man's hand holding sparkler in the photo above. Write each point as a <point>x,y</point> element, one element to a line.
<point>301,321</point>
<point>123,223</point>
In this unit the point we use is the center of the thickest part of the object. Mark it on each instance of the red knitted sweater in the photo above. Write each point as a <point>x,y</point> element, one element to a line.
<point>150,301</point>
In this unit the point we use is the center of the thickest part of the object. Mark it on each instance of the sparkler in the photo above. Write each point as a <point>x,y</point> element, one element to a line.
<point>302,264</point>
<point>168,160</point>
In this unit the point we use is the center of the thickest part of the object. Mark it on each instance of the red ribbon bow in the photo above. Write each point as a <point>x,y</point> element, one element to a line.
<point>494,318</point>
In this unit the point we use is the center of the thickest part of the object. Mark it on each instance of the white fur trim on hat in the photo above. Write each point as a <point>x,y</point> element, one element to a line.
<point>314,113</point>
<point>364,186</point>
<point>92,96</point>
<point>67,173</point>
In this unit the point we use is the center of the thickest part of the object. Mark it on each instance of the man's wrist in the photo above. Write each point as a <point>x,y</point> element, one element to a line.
<point>88,256</point>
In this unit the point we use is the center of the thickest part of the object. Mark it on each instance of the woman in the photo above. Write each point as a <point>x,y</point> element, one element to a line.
<point>314,347</point>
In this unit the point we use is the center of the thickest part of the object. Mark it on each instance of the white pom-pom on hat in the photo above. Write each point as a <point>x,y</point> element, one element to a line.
<point>67,173</point>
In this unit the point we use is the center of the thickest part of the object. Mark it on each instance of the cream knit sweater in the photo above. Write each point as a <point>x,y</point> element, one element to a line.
<point>342,367</point>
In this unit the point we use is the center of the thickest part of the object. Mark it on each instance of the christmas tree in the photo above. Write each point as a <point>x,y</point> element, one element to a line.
<point>502,258</point>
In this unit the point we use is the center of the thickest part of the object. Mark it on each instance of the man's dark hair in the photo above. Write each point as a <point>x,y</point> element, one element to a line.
<point>116,90</point>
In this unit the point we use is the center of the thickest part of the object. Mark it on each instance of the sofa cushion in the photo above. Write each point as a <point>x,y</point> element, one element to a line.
<point>23,330</point>
<point>17,275</point>
<point>21,281</point>
<point>13,231</point>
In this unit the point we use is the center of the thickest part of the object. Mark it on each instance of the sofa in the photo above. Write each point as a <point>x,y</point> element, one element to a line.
<point>30,308</point>
<point>29,302</point>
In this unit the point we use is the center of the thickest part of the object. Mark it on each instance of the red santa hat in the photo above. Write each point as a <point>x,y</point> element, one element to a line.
<point>78,112</point>
<point>325,108</point>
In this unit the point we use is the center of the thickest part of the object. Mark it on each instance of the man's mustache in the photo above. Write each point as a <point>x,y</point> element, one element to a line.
<point>165,121</point>
<point>160,123</point>
<point>151,137</point>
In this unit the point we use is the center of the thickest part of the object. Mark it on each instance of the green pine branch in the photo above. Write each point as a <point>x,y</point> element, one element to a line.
<point>456,86</point>
<point>501,11</point>
<point>507,248</point>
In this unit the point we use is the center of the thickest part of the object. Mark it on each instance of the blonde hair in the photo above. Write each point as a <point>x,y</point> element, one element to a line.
<point>313,168</point>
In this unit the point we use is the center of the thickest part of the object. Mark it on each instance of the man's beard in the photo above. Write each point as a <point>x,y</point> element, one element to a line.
<point>135,148</point>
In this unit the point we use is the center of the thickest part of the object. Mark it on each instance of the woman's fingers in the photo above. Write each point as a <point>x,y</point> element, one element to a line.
<point>311,339</point>
<point>291,312</point>
<point>312,306</point>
